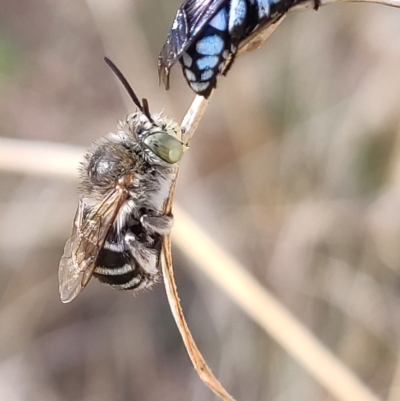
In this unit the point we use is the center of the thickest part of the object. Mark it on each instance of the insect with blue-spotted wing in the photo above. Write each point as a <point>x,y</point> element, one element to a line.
<point>119,224</point>
<point>206,34</point>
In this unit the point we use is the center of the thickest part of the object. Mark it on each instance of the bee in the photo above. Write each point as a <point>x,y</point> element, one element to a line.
<point>125,178</point>
<point>206,34</point>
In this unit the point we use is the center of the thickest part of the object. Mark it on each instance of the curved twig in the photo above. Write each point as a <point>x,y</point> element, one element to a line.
<point>189,126</point>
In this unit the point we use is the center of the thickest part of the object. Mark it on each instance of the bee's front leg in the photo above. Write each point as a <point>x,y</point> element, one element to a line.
<point>158,224</point>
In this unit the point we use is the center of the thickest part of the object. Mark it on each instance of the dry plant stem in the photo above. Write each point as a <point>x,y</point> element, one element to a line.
<point>193,116</point>
<point>197,359</point>
<point>189,125</point>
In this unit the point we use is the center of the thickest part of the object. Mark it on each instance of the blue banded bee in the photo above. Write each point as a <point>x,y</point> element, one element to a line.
<point>119,224</point>
<point>206,34</point>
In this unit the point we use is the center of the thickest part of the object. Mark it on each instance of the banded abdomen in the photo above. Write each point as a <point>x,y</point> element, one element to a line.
<point>129,258</point>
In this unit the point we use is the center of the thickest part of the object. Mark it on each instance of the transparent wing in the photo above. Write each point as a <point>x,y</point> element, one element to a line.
<point>91,226</point>
<point>191,17</point>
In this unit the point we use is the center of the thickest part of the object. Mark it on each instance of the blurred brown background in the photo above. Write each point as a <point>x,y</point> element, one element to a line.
<point>295,169</point>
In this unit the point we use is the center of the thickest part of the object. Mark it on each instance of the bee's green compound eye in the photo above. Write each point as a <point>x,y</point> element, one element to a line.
<point>165,146</point>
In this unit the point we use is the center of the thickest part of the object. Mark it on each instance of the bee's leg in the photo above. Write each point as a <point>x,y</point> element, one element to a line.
<point>157,224</point>
<point>317,3</point>
<point>144,255</point>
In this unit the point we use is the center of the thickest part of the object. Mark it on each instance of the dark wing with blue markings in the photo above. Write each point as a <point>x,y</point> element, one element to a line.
<point>191,17</point>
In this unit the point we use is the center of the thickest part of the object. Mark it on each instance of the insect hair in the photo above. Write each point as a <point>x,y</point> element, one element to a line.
<point>144,106</point>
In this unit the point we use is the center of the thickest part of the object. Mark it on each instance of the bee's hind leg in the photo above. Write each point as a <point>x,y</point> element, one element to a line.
<point>158,224</point>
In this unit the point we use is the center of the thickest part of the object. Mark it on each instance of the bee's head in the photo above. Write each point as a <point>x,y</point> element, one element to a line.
<point>159,141</point>
<point>159,137</point>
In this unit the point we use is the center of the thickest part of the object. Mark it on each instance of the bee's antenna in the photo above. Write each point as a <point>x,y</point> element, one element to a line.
<point>144,108</point>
